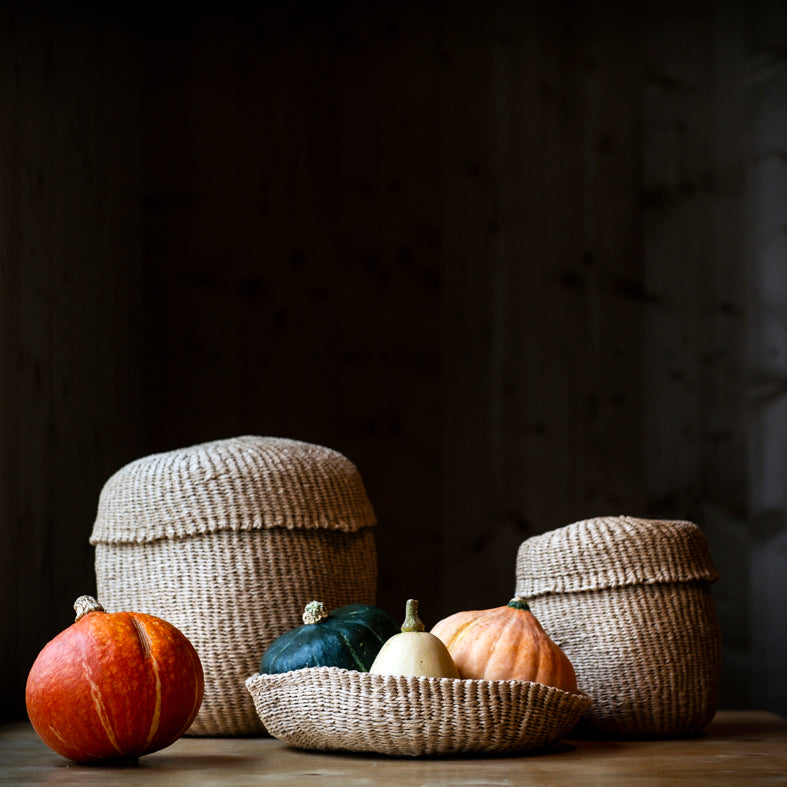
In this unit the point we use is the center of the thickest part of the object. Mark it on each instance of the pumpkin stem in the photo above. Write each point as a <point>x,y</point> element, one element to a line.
<point>85,604</point>
<point>314,612</point>
<point>519,603</point>
<point>411,620</point>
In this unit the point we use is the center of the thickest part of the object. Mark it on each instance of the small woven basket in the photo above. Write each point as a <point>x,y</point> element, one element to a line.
<point>628,600</point>
<point>328,708</point>
<point>227,541</point>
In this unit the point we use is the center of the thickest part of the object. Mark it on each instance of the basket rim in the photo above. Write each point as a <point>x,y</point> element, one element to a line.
<point>402,680</point>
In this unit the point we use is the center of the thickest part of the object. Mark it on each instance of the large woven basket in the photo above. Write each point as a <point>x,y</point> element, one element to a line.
<point>628,600</point>
<point>228,541</point>
<point>326,708</point>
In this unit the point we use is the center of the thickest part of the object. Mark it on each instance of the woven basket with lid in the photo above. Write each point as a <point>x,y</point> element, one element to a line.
<point>228,540</point>
<point>628,600</point>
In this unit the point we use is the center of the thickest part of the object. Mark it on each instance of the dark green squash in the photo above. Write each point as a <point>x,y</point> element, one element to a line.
<point>349,637</point>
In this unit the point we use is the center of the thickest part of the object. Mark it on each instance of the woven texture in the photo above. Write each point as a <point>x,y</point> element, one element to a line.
<point>613,552</point>
<point>242,483</point>
<point>628,601</point>
<point>328,708</point>
<point>236,571</point>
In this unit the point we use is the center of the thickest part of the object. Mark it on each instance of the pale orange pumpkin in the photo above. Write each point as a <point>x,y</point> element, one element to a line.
<point>505,643</point>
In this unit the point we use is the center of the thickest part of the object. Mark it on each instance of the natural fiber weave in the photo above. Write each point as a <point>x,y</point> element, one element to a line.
<point>228,541</point>
<point>628,601</point>
<point>329,708</point>
<point>242,483</point>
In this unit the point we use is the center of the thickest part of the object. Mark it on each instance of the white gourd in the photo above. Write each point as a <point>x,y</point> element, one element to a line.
<point>414,652</point>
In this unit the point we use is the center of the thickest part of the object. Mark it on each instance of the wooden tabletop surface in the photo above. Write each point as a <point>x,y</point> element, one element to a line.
<point>739,747</point>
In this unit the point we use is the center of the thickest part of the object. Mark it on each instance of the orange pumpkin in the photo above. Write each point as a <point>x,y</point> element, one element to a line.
<point>505,643</point>
<point>114,685</point>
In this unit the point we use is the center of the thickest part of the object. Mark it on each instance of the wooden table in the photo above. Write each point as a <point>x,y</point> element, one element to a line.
<point>739,747</point>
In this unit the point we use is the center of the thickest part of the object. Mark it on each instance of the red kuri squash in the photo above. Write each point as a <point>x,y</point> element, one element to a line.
<point>114,685</point>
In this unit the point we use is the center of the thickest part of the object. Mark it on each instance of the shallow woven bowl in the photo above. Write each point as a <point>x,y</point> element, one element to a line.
<point>328,708</point>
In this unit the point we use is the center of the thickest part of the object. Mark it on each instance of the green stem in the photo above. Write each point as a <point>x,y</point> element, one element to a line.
<point>411,620</point>
<point>518,603</point>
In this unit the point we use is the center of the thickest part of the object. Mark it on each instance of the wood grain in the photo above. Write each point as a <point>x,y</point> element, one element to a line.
<point>738,748</point>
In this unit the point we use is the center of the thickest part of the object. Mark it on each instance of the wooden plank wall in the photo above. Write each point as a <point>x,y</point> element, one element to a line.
<point>498,255</point>
<point>71,403</point>
<point>542,282</point>
<point>765,251</point>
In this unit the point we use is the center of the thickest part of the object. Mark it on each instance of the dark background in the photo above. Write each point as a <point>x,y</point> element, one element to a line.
<point>522,262</point>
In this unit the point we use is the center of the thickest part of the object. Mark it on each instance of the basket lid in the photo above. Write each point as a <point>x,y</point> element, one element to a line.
<point>240,483</point>
<point>608,552</point>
